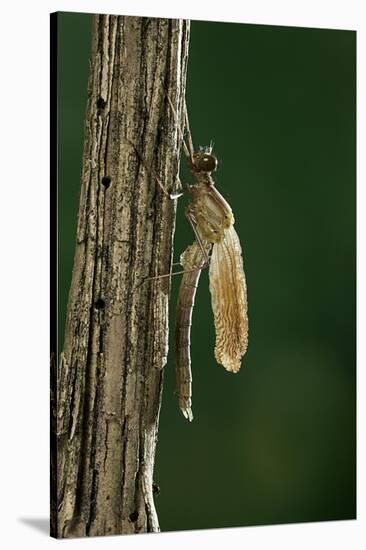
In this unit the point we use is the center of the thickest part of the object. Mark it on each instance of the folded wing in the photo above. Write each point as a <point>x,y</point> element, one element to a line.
<point>229,301</point>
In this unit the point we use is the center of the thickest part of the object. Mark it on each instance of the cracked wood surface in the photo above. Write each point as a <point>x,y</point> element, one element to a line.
<point>109,377</point>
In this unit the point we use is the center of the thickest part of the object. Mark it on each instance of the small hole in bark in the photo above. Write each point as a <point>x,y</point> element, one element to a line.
<point>106,181</point>
<point>101,103</point>
<point>156,489</point>
<point>99,304</point>
<point>134,516</point>
<point>107,497</point>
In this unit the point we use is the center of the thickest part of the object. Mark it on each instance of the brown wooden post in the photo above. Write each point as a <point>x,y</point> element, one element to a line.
<point>109,377</point>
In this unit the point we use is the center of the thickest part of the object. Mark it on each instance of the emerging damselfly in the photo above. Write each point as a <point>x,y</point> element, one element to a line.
<point>212,221</point>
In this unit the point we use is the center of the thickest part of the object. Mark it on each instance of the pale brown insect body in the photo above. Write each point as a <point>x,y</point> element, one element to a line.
<point>212,221</point>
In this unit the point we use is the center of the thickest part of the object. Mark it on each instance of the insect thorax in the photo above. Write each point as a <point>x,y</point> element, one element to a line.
<point>211,212</point>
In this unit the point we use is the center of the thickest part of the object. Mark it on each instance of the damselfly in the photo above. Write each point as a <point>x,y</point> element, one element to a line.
<point>212,221</point>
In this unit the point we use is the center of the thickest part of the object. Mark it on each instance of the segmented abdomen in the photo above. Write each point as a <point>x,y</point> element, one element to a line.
<point>192,258</point>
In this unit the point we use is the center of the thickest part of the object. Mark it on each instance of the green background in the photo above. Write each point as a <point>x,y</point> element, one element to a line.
<point>274,443</point>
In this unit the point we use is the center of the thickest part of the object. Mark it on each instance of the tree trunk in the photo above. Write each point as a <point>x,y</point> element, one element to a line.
<point>109,379</point>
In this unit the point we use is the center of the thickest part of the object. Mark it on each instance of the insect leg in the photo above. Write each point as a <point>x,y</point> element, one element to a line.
<point>190,141</point>
<point>188,149</point>
<point>202,248</point>
<point>180,272</point>
<point>172,196</point>
<point>198,238</point>
<point>175,273</point>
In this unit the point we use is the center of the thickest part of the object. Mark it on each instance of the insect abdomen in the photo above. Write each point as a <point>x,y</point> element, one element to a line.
<point>192,258</point>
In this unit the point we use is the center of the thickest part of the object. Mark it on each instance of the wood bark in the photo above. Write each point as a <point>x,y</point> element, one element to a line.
<point>110,373</point>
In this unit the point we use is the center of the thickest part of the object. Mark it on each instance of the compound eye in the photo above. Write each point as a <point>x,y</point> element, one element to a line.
<point>206,163</point>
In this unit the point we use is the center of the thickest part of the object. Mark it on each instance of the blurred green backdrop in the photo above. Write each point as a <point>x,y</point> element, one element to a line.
<point>276,442</point>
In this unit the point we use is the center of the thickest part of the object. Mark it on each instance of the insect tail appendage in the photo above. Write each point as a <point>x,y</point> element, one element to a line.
<point>186,410</point>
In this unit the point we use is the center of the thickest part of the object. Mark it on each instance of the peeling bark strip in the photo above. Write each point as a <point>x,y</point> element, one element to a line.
<point>116,338</point>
